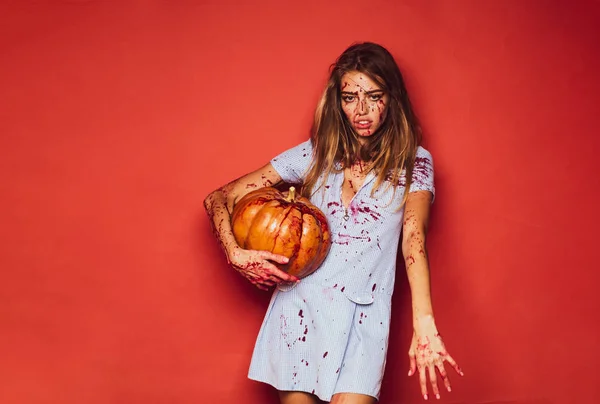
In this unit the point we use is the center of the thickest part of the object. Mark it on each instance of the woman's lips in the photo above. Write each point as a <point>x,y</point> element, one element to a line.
<point>362,124</point>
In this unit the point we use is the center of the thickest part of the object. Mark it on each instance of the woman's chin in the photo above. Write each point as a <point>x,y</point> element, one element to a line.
<point>364,132</point>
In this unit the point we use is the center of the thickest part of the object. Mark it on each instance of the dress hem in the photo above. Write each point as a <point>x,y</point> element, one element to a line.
<point>274,385</point>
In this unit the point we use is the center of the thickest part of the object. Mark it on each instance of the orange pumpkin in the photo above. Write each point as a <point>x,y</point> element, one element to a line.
<point>285,224</point>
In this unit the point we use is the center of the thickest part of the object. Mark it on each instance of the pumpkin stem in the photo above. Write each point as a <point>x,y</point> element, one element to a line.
<point>291,195</point>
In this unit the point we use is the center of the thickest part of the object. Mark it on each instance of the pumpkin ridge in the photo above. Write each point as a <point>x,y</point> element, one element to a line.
<point>256,216</point>
<point>289,210</point>
<point>310,263</point>
<point>276,235</point>
<point>297,246</point>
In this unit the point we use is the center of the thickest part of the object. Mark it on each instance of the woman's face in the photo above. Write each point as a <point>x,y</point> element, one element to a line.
<point>363,102</point>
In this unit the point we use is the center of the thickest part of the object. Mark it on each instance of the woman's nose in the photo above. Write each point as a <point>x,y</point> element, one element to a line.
<point>362,107</point>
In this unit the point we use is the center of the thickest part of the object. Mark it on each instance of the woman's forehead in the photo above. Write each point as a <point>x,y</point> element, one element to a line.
<point>358,81</point>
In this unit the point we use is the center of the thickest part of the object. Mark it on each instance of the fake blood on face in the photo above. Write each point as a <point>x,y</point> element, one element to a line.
<point>364,103</point>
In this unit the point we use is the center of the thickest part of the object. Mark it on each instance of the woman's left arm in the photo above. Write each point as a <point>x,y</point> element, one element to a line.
<point>427,351</point>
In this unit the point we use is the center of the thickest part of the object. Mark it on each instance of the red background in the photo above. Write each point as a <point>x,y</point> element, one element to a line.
<point>118,118</point>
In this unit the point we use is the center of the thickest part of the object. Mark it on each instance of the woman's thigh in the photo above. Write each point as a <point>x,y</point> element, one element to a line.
<point>297,397</point>
<point>352,398</point>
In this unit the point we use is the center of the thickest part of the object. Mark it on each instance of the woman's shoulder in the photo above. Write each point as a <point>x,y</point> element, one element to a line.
<point>299,149</point>
<point>423,153</point>
<point>306,143</point>
<point>304,146</point>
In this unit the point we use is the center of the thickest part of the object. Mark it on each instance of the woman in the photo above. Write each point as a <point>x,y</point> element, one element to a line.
<point>326,337</point>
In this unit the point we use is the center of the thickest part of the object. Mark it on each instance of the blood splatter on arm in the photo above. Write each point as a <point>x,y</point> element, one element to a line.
<point>414,250</point>
<point>217,210</point>
<point>415,237</point>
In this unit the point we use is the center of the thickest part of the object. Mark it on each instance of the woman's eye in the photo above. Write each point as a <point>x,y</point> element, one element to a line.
<point>376,97</point>
<point>348,98</point>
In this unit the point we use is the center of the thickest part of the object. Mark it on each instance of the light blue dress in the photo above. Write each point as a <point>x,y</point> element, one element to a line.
<point>329,333</point>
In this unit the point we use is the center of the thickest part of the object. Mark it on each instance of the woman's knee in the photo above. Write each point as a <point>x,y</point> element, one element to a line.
<point>352,398</point>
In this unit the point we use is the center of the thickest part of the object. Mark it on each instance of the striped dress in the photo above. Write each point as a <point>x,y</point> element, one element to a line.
<point>329,333</point>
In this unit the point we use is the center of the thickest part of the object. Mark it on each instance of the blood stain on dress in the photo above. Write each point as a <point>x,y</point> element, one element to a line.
<point>363,208</point>
<point>346,239</point>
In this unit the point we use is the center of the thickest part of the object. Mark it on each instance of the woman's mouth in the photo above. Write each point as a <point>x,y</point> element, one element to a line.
<point>363,124</point>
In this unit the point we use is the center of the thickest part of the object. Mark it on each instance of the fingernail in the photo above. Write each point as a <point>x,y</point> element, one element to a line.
<point>425,397</point>
<point>449,389</point>
<point>409,372</point>
<point>437,396</point>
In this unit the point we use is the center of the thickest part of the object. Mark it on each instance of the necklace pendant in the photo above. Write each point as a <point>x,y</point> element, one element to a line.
<point>346,217</point>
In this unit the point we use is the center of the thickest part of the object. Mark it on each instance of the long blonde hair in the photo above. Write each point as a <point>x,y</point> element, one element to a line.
<point>391,149</point>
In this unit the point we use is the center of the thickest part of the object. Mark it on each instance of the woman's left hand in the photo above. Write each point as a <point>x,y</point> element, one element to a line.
<point>427,352</point>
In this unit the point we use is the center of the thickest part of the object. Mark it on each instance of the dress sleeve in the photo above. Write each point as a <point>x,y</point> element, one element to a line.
<point>293,164</point>
<point>423,172</point>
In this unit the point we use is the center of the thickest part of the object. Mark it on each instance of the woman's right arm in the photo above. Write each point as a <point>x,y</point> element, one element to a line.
<point>254,265</point>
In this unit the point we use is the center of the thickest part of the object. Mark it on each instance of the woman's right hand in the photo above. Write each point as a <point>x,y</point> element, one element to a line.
<point>256,266</point>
